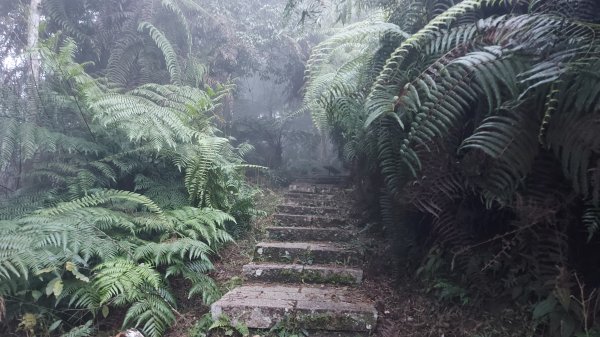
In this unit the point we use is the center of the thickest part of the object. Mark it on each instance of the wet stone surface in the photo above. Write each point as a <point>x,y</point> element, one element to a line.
<point>261,306</point>
<point>309,234</point>
<point>310,247</point>
<point>286,273</point>
<point>309,210</point>
<point>309,220</point>
<point>305,253</point>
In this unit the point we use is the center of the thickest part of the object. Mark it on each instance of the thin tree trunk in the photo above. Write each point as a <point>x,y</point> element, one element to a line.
<point>33,27</point>
<point>31,113</point>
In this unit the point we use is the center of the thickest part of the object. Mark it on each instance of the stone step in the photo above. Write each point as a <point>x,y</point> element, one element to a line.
<point>315,188</point>
<point>309,210</point>
<point>290,220</point>
<point>306,253</point>
<point>312,308</point>
<point>295,273</point>
<point>309,234</point>
<point>323,179</point>
<point>315,202</point>
<point>321,196</point>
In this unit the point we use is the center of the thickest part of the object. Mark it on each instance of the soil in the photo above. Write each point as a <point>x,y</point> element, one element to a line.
<point>407,310</point>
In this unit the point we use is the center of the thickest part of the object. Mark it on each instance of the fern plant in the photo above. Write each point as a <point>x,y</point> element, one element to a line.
<point>80,229</point>
<point>481,121</point>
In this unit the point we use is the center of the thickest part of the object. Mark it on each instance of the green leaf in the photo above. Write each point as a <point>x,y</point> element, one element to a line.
<point>70,266</point>
<point>45,271</point>
<point>105,311</point>
<point>36,294</point>
<point>544,307</point>
<point>54,325</point>
<point>54,287</point>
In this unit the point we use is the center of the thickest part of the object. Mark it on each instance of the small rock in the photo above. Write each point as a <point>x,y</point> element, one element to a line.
<point>130,333</point>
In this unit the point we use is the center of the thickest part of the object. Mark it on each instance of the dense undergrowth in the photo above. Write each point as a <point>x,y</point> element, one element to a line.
<point>115,177</point>
<point>471,129</point>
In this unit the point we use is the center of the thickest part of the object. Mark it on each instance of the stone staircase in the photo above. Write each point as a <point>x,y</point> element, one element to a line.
<point>308,272</point>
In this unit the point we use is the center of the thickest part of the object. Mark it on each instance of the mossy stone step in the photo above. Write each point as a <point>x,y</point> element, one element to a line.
<point>331,234</point>
<point>311,202</point>
<point>290,220</point>
<point>262,306</point>
<point>315,188</point>
<point>294,273</point>
<point>306,253</point>
<point>309,210</point>
<point>320,196</point>
<point>339,180</point>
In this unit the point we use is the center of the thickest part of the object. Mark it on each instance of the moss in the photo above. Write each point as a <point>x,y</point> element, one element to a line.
<point>289,275</point>
<point>325,321</point>
<point>315,320</point>
<point>313,276</point>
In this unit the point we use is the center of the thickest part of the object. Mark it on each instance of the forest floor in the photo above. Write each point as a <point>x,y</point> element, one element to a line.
<point>406,309</point>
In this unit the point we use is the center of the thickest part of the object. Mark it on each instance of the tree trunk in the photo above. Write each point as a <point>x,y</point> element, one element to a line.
<point>31,113</point>
<point>33,27</point>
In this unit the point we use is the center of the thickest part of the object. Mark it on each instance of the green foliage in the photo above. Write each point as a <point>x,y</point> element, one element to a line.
<point>206,326</point>
<point>164,45</point>
<point>480,123</point>
<point>114,187</point>
<point>223,323</point>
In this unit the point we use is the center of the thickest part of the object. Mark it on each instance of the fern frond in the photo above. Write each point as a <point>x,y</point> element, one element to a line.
<point>510,140</point>
<point>166,48</point>
<point>152,314</point>
<point>390,81</point>
<point>85,330</point>
<point>102,197</point>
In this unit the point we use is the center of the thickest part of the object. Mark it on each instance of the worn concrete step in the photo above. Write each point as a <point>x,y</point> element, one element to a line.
<point>324,179</point>
<point>309,210</point>
<point>290,220</point>
<point>320,196</point>
<point>262,306</point>
<point>309,234</point>
<point>315,202</point>
<point>306,253</point>
<point>315,188</point>
<point>296,273</point>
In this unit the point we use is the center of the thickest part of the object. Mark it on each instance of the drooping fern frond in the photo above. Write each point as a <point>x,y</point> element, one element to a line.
<point>123,281</point>
<point>390,81</point>
<point>331,70</point>
<point>511,142</point>
<point>29,140</point>
<point>166,48</point>
<point>152,314</point>
<point>207,225</point>
<point>102,197</point>
<point>591,220</point>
